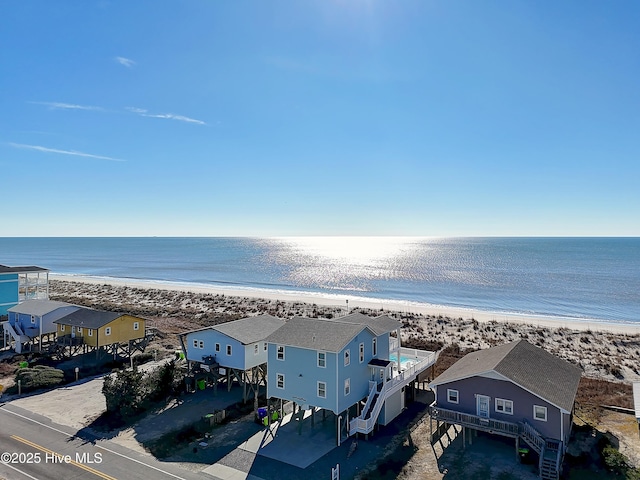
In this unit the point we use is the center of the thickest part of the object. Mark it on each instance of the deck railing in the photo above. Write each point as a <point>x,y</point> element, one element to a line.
<point>426,359</point>
<point>474,421</point>
<point>362,425</point>
<point>533,438</point>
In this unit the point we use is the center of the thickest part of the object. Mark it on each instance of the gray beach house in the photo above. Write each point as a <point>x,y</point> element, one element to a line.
<point>516,390</point>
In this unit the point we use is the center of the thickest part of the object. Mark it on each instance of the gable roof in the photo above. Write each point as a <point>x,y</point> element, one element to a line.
<point>530,367</point>
<point>317,333</point>
<point>88,318</point>
<point>379,325</point>
<point>252,329</point>
<point>6,269</point>
<point>39,307</point>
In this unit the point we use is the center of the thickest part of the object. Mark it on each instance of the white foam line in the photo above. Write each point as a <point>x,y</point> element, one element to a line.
<point>18,470</point>
<point>4,409</point>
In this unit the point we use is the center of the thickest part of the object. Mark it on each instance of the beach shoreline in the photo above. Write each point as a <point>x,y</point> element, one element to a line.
<point>338,302</point>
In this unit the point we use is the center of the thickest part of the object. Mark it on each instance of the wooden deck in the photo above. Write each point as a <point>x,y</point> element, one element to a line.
<point>489,425</point>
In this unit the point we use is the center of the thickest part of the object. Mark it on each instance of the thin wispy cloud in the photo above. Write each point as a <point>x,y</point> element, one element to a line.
<point>127,62</point>
<point>64,152</point>
<point>169,116</point>
<point>67,106</point>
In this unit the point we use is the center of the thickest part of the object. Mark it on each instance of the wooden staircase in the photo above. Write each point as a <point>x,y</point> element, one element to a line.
<point>549,452</point>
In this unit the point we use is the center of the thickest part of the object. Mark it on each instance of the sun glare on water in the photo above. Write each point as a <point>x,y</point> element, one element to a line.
<point>352,250</point>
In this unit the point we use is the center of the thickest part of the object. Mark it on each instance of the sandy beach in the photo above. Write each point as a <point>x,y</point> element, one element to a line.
<point>341,302</point>
<point>603,350</point>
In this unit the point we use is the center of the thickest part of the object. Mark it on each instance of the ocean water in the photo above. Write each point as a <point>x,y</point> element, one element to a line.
<point>590,278</point>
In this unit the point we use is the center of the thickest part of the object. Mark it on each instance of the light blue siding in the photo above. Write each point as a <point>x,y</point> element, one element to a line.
<point>209,338</point>
<point>357,372</point>
<point>30,324</point>
<point>302,374</point>
<point>383,347</point>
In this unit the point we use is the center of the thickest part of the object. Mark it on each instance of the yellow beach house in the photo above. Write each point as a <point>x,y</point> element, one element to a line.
<point>102,330</point>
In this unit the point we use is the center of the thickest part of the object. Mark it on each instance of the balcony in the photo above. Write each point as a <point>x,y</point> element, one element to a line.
<point>489,425</point>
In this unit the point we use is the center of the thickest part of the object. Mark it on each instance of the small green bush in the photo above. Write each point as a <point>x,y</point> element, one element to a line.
<point>39,377</point>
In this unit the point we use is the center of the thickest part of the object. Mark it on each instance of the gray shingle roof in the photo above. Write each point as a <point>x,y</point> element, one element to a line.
<point>88,318</point>
<point>6,269</point>
<point>38,307</point>
<point>252,329</point>
<point>379,325</point>
<point>316,333</point>
<point>526,365</point>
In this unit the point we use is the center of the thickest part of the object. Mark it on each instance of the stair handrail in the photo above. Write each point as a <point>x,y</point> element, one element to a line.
<point>377,407</point>
<point>355,423</point>
<point>534,437</point>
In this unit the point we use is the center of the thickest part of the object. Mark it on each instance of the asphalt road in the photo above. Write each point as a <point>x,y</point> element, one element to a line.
<point>32,447</point>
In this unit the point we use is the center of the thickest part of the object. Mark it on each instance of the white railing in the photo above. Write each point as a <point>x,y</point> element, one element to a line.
<point>17,335</point>
<point>408,374</point>
<point>365,425</point>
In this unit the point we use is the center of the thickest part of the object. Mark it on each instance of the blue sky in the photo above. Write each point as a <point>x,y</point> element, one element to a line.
<point>319,117</point>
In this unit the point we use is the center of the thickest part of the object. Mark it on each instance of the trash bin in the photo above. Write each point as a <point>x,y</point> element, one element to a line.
<point>262,412</point>
<point>202,384</point>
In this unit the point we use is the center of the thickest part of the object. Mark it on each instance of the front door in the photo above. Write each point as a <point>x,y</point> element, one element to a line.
<point>73,332</point>
<point>482,406</point>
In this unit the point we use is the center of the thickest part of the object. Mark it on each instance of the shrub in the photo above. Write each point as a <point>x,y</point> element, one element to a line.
<point>124,393</point>
<point>39,377</point>
<point>615,461</point>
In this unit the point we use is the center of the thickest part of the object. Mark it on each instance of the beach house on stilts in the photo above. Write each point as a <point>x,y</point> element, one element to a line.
<point>32,321</point>
<point>107,333</point>
<point>516,390</point>
<point>351,366</point>
<point>231,351</point>
<point>18,284</point>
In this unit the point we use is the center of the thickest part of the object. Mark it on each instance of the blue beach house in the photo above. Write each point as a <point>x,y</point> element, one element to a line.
<point>350,366</point>
<point>18,284</point>
<point>34,319</point>
<point>232,350</point>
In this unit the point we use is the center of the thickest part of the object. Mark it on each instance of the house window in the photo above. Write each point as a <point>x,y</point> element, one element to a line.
<point>136,325</point>
<point>201,344</point>
<point>347,387</point>
<point>90,332</point>
<point>361,352</point>
<point>62,328</point>
<point>322,359</point>
<point>347,357</point>
<point>80,330</point>
<point>265,346</point>
<point>195,344</point>
<point>280,380</point>
<point>280,352</point>
<point>374,346</point>
<point>228,349</point>
<point>452,396</point>
<point>107,331</point>
<point>256,349</point>
<point>504,406</point>
<point>217,347</point>
<point>540,413</point>
<point>322,390</point>
<point>33,319</point>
